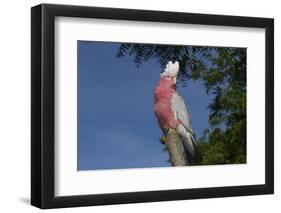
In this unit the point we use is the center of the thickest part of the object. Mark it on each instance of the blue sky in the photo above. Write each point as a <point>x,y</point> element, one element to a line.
<point>117,127</point>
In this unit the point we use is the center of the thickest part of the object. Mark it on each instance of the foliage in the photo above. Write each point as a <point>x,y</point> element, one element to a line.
<point>223,71</point>
<point>189,57</point>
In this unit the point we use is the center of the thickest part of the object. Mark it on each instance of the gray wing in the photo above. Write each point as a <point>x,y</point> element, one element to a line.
<point>180,111</point>
<point>185,130</point>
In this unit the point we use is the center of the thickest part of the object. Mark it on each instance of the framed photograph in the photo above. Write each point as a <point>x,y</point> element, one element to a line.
<point>139,106</point>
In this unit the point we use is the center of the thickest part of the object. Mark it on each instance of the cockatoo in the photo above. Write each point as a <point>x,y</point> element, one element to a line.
<point>171,111</point>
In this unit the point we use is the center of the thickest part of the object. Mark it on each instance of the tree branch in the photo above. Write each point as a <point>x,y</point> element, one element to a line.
<point>174,147</point>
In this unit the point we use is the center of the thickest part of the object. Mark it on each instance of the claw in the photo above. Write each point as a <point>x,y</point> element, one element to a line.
<point>162,139</point>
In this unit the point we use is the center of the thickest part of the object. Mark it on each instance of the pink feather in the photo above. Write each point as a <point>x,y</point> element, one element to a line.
<point>162,104</point>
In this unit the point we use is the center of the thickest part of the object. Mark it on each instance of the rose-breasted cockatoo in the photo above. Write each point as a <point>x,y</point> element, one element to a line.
<point>171,111</point>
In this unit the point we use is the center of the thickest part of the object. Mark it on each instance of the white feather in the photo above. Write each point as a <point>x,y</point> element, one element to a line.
<point>185,130</point>
<point>171,70</point>
<point>188,141</point>
<point>180,111</point>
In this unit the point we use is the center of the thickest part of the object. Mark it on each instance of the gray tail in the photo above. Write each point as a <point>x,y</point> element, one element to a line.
<point>194,157</point>
<point>193,154</point>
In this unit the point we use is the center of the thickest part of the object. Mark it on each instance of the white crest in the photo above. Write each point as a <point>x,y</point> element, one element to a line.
<point>171,70</point>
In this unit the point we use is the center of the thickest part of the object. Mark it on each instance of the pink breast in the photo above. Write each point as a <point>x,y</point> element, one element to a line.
<point>162,104</point>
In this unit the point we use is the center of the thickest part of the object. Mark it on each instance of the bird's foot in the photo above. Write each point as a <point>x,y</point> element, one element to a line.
<point>162,139</point>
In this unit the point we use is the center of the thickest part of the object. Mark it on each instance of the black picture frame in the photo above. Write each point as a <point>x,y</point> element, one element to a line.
<point>43,113</point>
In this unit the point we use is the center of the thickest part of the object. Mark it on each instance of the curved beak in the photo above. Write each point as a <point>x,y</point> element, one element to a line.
<point>174,79</point>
